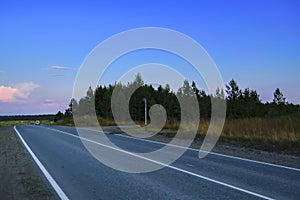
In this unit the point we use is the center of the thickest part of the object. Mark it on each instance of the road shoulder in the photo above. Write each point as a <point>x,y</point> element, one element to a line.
<point>19,177</point>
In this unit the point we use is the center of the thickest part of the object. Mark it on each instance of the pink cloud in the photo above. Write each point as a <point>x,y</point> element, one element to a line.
<point>7,93</point>
<point>17,93</point>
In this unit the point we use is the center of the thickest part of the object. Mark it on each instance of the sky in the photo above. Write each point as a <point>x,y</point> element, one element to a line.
<point>44,43</point>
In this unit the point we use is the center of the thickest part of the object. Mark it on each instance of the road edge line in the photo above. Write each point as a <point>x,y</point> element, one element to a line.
<point>50,179</point>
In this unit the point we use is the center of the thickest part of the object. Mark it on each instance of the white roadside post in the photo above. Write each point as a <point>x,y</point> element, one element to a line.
<point>145,100</point>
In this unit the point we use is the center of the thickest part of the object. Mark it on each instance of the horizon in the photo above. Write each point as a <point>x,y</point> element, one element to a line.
<point>45,43</point>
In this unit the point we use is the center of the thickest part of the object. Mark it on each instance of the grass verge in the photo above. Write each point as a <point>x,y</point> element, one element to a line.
<point>280,134</point>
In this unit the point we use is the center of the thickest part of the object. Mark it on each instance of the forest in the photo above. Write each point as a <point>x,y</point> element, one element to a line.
<point>240,103</point>
<point>249,121</point>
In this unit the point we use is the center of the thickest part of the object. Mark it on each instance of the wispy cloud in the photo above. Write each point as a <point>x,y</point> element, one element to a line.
<point>60,68</point>
<point>55,75</point>
<point>1,72</point>
<point>48,101</point>
<point>18,92</point>
<point>50,104</point>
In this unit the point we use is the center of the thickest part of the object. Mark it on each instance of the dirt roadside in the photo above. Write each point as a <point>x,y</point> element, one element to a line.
<point>19,177</point>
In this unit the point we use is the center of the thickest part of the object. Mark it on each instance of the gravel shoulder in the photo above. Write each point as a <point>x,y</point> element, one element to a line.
<point>19,177</point>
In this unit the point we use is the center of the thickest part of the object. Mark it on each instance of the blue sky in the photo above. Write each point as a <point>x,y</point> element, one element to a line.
<point>42,44</point>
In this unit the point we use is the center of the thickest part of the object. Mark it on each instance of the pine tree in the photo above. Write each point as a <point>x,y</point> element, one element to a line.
<point>278,97</point>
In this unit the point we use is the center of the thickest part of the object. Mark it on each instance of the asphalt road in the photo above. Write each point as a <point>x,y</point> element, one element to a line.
<point>78,175</point>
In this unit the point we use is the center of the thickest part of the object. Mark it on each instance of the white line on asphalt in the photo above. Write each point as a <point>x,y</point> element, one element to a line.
<point>166,165</point>
<point>213,153</point>
<point>51,180</point>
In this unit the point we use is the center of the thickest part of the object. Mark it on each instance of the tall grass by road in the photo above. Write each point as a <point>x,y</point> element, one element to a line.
<point>279,134</point>
<point>16,122</point>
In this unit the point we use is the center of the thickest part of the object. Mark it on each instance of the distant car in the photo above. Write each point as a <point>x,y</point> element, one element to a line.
<point>37,122</point>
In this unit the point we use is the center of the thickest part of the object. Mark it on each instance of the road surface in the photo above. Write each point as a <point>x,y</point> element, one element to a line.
<point>76,174</point>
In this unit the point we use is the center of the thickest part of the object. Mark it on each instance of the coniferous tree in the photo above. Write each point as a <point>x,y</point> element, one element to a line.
<point>278,97</point>
<point>234,94</point>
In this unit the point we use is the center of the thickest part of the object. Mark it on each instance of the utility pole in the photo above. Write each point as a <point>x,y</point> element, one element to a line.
<point>145,100</point>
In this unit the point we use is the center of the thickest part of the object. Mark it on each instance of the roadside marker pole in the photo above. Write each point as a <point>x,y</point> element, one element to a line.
<point>145,100</point>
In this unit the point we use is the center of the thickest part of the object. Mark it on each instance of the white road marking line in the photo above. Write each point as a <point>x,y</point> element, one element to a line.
<point>51,180</point>
<point>166,165</point>
<point>213,153</point>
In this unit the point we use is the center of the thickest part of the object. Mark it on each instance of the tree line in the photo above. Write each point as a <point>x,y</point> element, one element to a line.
<point>240,103</point>
<point>49,117</point>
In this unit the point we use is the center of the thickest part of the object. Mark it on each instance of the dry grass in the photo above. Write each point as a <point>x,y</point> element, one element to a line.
<point>276,129</point>
<point>86,121</point>
<point>15,122</point>
<point>281,134</point>
<point>23,122</point>
<point>273,129</point>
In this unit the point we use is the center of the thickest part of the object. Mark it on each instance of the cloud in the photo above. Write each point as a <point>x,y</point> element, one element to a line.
<point>50,104</point>
<point>56,75</point>
<point>48,101</point>
<point>17,93</point>
<point>1,72</point>
<point>7,93</point>
<point>60,68</point>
